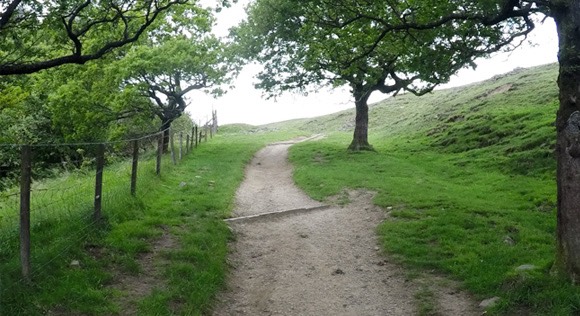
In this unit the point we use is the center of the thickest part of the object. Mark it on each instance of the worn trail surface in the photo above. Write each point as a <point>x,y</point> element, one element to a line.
<point>323,261</point>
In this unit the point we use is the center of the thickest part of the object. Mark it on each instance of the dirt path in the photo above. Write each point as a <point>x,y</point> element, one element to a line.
<point>324,261</point>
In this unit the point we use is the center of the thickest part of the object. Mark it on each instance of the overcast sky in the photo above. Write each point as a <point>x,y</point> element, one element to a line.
<point>244,104</point>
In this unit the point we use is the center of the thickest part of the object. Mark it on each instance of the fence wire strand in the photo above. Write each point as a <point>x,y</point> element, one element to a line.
<point>85,143</point>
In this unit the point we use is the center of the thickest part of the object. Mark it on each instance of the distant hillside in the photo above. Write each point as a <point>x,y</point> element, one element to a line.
<point>511,116</point>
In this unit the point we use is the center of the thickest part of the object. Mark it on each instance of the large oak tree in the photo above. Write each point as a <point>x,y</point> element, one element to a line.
<point>310,43</point>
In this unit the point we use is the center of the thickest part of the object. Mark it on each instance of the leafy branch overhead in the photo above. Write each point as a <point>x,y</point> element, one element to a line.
<point>37,35</point>
<point>371,43</point>
<point>512,17</point>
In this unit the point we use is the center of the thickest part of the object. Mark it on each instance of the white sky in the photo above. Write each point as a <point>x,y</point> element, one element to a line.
<point>244,104</point>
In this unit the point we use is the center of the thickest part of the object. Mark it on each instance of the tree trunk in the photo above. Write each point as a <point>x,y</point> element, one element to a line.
<point>568,141</point>
<point>360,139</point>
<point>165,125</point>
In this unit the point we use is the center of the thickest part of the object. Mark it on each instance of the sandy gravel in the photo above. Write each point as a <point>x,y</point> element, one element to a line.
<point>268,186</point>
<point>320,262</point>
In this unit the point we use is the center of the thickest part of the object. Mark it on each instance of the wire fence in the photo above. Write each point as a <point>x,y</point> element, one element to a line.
<point>30,213</point>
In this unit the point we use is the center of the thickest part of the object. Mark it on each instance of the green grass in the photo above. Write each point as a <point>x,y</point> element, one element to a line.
<point>470,175</point>
<point>187,201</point>
<point>426,301</point>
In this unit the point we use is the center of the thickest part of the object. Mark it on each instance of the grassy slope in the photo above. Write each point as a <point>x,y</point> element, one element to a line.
<point>189,201</point>
<point>469,173</point>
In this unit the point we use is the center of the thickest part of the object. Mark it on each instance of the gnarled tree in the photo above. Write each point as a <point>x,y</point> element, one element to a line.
<point>166,73</point>
<point>311,43</point>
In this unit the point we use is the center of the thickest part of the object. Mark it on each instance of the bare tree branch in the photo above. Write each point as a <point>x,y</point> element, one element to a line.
<point>8,13</point>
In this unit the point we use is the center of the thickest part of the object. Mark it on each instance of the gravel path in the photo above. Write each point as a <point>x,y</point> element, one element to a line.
<point>269,186</point>
<point>324,261</point>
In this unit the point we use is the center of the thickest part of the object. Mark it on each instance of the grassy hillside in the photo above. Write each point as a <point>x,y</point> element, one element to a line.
<point>510,115</point>
<point>469,174</point>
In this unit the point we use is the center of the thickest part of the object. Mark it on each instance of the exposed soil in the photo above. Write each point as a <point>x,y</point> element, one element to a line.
<point>316,261</point>
<point>501,89</point>
<point>135,287</point>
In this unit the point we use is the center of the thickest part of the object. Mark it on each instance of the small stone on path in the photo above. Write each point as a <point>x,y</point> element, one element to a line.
<point>490,302</point>
<point>509,241</point>
<point>337,272</point>
<point>526,267</point>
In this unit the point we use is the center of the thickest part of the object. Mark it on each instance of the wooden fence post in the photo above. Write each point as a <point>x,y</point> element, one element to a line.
<point>210,132</point>
<point>193,137</point>
<point>180,145</point>
<point>159,153</point>
<point>26,174</point>
<point>215,122</point>
<point>205,134</point>
<point>134,167</point>
<point>187,148</point>
<point>172,146</point>
<point>197,139</point>
<point>99,181</point>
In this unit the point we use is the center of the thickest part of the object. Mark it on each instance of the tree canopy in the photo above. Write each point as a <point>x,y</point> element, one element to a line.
<point>145,56</point>
<point>39,35</point>
<point>366,45</point>
<point>195,64</point>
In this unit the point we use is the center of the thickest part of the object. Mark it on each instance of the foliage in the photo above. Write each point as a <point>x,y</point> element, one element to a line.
<point>25,120</point>
<point>39,35</point>
<point>311,43</point>
<point>195,64</point>
<point>319,42</point>
<point>81,101</point>
<point>96,102</point>
<point>183,124</point>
